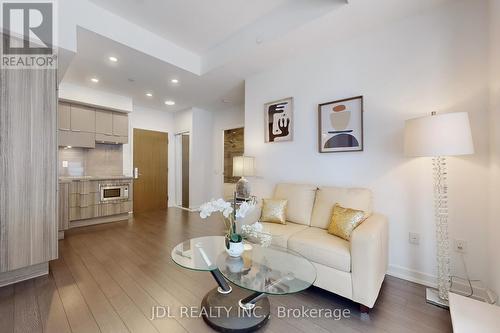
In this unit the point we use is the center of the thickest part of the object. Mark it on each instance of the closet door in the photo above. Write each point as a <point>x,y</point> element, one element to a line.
<point>28,172</point>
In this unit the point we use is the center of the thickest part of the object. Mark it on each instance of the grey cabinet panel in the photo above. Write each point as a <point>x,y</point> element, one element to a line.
<point>120,124</point>
<point>76,139</point>
<point>104,122</point>
<point>64,116</point>
<point>113,139</point>
<point>82,119</point>
<point>28,181</point>
<point>63,206</point>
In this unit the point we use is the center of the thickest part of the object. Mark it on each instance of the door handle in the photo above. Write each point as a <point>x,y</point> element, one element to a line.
<point>136,173</point>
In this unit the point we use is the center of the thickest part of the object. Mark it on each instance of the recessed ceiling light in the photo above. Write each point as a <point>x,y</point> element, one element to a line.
<point>113,59</point>
<point>149,94</point>
<point>94,79</point>
<point>174,81</point>
<point>169,103</point>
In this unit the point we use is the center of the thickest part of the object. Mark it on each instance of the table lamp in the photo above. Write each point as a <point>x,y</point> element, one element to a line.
<point>439,136</point>
<point>243,166</point>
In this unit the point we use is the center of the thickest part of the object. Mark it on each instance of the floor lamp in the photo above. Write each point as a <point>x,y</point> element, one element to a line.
<point>439,136</point>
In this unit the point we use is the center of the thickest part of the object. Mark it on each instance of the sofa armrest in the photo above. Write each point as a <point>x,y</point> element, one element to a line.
<point>252,217</point>
<point>369,259</point>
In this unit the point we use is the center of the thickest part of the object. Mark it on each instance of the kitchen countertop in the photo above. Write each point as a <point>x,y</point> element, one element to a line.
<point>69,179</point>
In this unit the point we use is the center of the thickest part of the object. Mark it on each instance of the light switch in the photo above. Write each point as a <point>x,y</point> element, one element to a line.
<point>64,164</point>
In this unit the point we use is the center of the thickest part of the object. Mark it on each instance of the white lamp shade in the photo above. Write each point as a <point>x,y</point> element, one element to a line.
<point>447,134</point>
<point>243,166</point>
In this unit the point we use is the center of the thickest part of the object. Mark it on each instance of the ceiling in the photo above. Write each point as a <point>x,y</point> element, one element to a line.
<point>136,74</point>
<point>196,25</point>
<point>238,37</point>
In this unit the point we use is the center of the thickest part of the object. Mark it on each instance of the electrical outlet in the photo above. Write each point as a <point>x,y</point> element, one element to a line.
<point>414,238</point>
<point>64,164</point>
<point>460,246</point>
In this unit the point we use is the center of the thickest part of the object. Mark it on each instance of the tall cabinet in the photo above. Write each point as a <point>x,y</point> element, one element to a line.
<point>28,173</point>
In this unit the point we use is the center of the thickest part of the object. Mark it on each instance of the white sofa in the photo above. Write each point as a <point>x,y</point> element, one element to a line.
<point>354,269</point>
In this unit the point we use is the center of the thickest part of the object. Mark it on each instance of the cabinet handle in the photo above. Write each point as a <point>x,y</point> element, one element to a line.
<point>64,129</point>
<point>76,130</point>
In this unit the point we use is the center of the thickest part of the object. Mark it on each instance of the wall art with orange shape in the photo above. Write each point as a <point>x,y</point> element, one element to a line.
<point>341,125</point>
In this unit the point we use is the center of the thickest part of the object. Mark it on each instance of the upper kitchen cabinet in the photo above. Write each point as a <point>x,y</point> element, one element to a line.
<point>104,122</point>
<point>64,116</point>
<point>83,119</point>
<point>82,126</point>
<point>120,124</point>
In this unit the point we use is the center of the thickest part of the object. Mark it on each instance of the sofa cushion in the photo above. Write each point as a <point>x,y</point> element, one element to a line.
<point>320,247</point>
<point>300,201</point>
<point>327,197</point>
<point>282,232</point>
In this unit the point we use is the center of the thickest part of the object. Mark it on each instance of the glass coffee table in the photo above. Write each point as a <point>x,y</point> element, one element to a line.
<point>259,272</point>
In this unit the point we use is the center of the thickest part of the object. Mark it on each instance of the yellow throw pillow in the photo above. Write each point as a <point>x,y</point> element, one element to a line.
<point>274,211</point>
<point>344,221</point>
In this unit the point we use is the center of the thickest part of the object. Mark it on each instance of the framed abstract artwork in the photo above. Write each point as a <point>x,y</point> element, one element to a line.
<point>279,120</point>
<point>341,125</point>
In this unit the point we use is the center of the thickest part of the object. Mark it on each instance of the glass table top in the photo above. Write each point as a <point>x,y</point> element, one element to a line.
<point>270,270</point>
<point>199,254</point>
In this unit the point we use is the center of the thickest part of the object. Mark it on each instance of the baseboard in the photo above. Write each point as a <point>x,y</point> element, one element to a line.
<point>412,275</point>
<point>99,220</point>
<point>23,274</point>
<point>196,209</point>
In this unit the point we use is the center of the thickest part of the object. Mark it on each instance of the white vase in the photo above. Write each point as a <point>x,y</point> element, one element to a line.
<point>235,250</point>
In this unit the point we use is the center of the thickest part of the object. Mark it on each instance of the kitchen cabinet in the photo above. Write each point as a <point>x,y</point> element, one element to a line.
<point>82,119</point>
<point>103,122</point>
<point>84,201</point>
<point>64,116</point>
<point>120,124</point>
<point>82,126</point>
<point>63,206</point>
<point>28,190</point>
<point>76,139</point>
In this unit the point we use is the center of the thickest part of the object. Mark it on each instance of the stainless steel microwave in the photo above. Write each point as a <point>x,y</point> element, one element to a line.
<point>114,192</point>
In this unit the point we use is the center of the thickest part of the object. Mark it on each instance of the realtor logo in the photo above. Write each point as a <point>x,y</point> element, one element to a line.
<point>27,27</point>
<point>28,34</point>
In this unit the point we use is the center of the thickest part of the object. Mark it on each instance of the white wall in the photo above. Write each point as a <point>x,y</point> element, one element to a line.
<point>494,228</point>
<point>223,120</point>
<point>95,97</point>
<point>200,177</point>
<point>199,123</point>
<point>433,61</point>
<point>154,120</point>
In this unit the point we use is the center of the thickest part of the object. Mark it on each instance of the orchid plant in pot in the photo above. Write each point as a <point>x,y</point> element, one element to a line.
<point>230,212</point>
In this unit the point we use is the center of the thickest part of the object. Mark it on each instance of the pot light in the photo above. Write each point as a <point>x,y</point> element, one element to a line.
<point>113,59</point>
<point>94,79</point>
<point>169,103</point>
<point>149,94</point>
<point>174,81</point>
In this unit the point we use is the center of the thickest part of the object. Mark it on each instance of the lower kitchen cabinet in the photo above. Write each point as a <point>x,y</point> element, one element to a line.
<point>63,206</point>
<point>115,208</point>
<point>80,213</point>
<point>81,200</point>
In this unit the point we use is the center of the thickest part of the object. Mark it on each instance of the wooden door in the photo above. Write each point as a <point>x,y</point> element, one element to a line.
<point>151,158</point>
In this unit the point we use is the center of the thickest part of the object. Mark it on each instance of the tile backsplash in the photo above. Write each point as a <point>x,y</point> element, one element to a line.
<point>103,160</point>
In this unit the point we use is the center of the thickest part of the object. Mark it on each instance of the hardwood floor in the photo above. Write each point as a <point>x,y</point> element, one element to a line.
<point>108,278</point>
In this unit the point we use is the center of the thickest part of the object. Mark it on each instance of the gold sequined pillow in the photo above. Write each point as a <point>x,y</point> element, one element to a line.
<point>274,211</point>
<point>344,221</point>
